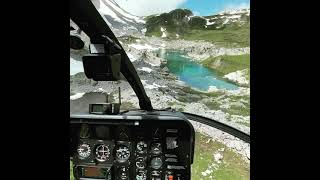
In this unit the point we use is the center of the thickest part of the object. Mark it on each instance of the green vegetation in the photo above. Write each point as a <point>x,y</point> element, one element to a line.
<point>225,37</point>
<point>174,21</point>
<point>218,100</point>
<point>189,27</point>
<point>238,110</point>
<point>247,74</point>
<point>126,105</point>
<point>245,123</point>
<point>197,22</point>
<point>238,105</point>
<point>71,171</point>
<point>128,39</point>
<point>235,105</point>
<point>226,64</point>
<point>180,109</point>
<point>213,105</point>
<point>232,166</point>
<point>190,90</point>
<point>175,103</point>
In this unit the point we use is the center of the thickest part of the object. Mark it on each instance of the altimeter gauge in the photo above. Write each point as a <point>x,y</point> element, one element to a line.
<point>102,153</point>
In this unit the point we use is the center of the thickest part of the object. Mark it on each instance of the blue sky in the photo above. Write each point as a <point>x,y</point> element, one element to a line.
<point>199,7</point>
<point>209,7</point>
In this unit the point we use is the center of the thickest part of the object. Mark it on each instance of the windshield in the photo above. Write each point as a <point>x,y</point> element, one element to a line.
<point>189,56</point>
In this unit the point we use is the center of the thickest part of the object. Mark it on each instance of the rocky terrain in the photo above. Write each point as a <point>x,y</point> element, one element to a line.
<point>163,88</point>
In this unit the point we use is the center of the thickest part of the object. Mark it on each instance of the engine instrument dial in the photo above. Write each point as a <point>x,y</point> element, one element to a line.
<point>141,175</point>
<point>84,151</point>
<point>122,153</point>
<point>156,163</point>
<point>102,153</point>
<point>123,173</point>
<point>141,147</point>
<point>140,163</point>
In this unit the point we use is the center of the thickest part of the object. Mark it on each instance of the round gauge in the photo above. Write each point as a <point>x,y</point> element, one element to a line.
<point>102,153</point>
<point>155,173</point>
<point>141,147</point>
<point>84,151</point>
<point>123,173</point>
<point>156,148</point>
<point>122,153</point>
<point>140,163</point>
<point>141,175</point>
<point>156,163</point>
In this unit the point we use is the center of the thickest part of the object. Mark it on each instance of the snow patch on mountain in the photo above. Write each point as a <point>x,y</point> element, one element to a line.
<point>75,66</point>
<point>142,47</point>
<point>76,96</point>
<point>163,30</point>
<point>148,86</point>
<point>209,23</point>
<point>104,9</point>
<point>120,21</point>
<point>228,17</point>
<point>146,69</point>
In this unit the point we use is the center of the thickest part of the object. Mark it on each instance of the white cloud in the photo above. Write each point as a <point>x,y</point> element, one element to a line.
<point>237,6</point>
<point>196,13</point>
<point>148,7</point>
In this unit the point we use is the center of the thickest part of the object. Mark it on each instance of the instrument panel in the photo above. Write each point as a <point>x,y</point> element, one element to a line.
<point>128,150</point>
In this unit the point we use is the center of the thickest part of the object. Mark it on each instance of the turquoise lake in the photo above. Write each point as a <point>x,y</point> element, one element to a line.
<point>192,73</point>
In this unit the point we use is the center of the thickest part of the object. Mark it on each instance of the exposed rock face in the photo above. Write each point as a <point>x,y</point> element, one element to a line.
<point>238,77</point>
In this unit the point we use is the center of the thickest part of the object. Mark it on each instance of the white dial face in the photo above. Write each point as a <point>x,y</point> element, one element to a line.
<point>156,163</point>
<point>141,147</point>
<point>141,175</point>
<point>122,153</point>
<point>84,151</point>
<point>140,163</point>
<point>102,153</point>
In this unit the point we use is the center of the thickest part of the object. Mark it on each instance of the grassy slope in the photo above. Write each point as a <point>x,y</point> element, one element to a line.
<point>231,35</point>
<point>227,64</point>
<point>227,37</point>
<point>174,22</point>
<point>215,104</point>
<point>233,109</point>
<point>231,168</point>
<point>71,171</point>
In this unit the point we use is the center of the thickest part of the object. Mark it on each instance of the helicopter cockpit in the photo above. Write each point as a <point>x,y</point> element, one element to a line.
<point>107,143</point>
